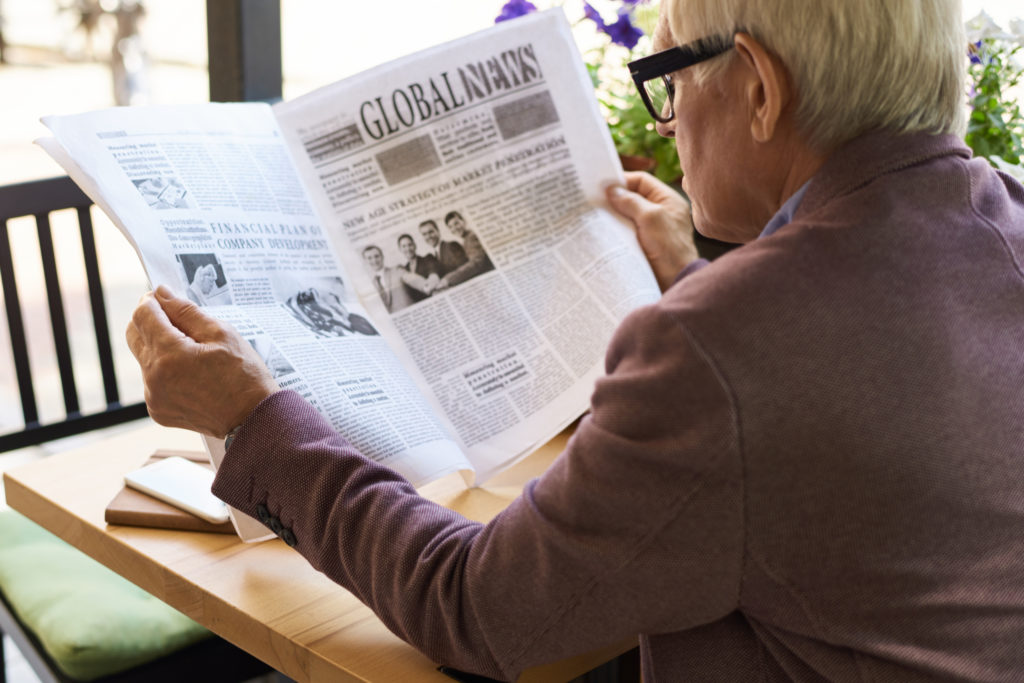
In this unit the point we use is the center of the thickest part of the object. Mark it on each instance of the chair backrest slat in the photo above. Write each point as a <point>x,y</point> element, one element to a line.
<point>40,196</point>
<point>40,199</point>
<point>16,330</point>
<point>99,309</point>
<point>58,323</point>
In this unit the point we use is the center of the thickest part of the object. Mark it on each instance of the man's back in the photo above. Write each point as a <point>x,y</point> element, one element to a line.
<point>803,462</point>
<point>874,351</point>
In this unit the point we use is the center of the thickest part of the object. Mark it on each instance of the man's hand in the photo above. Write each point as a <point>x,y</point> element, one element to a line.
<point>199,373</point>
<point>663,223</point>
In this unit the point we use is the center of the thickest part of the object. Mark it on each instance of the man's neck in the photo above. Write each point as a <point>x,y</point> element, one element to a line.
<point>801,163</point>
<point>798,176</point>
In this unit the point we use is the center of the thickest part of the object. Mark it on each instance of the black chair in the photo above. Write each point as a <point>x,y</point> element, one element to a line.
<point>210,659</point>
<point>40,199</point>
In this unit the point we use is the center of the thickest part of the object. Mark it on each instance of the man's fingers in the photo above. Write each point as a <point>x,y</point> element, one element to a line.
<point>198,373</point>
<point>152,325</point>
<point>187,317</point>
<point>650,187</point>
<point>636,181</point>
<point>662,220</point>
<point>629,203</point>
<point>135,344</point>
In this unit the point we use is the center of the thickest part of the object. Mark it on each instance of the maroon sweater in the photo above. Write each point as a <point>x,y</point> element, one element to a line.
<point>806,461</point>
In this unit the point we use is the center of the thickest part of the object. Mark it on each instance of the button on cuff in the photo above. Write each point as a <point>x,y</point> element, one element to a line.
<point>276,526</point>
<point>263,514</point>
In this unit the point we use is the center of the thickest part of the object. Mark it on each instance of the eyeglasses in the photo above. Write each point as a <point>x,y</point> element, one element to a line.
<point>652,74</point>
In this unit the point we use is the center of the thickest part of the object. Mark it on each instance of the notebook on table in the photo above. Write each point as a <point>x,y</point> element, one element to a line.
<point>134,508</point>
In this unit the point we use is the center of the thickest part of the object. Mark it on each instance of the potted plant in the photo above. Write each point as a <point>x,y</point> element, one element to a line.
<point>996,126</point>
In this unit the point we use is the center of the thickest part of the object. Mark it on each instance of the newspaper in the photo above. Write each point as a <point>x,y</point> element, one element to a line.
<point>423,251</point>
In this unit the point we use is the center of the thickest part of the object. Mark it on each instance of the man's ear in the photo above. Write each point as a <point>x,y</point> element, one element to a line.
<point>767,87</point>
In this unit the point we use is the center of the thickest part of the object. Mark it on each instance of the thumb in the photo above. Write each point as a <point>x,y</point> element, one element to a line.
<point>187,316</point>
<point>629,204</point>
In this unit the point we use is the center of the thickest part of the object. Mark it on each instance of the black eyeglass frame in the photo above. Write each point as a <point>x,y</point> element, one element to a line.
<point>663,64</point>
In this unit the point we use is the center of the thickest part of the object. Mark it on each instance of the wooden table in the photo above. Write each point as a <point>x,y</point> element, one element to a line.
<point>263,597</point>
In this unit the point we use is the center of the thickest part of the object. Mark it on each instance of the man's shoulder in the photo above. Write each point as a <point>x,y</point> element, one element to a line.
<point>744,272</point>
<point>762,293</point>
<point>881,156</point>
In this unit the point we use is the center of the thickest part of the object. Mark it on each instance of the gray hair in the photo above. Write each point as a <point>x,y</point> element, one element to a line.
<point>857,65</point>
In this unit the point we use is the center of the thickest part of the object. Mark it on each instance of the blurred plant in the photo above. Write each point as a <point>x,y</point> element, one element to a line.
<point>627,30</point>
<point>996,125</point>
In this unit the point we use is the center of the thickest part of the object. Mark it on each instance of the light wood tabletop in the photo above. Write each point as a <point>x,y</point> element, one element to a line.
<point>263,597</point>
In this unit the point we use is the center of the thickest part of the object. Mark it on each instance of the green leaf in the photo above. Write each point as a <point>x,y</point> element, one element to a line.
<point>995,125</point>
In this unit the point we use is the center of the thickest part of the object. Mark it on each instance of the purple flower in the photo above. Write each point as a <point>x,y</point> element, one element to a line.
<point>622,32</point>
<point>515,8</point>
<point>974,50</point>
<point>590,13</point>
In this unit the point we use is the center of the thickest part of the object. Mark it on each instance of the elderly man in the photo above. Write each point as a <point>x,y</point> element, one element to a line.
<point>805,461</point>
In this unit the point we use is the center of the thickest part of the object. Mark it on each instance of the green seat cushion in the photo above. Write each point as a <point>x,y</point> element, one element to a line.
<point>91,621</point>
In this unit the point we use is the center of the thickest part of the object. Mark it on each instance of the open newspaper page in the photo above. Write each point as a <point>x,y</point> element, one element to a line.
<point>211,201</point>
<point>466,185</point>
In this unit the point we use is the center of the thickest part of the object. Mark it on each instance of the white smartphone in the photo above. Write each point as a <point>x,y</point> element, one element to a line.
<point>181,483</point>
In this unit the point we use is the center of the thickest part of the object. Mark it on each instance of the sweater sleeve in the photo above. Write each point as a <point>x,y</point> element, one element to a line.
<point>637,526</point>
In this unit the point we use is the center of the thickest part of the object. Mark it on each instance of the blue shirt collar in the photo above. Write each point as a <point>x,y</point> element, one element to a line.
<point>785,214</point>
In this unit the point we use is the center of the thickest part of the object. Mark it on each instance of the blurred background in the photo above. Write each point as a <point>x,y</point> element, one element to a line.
<point>58,53</point>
